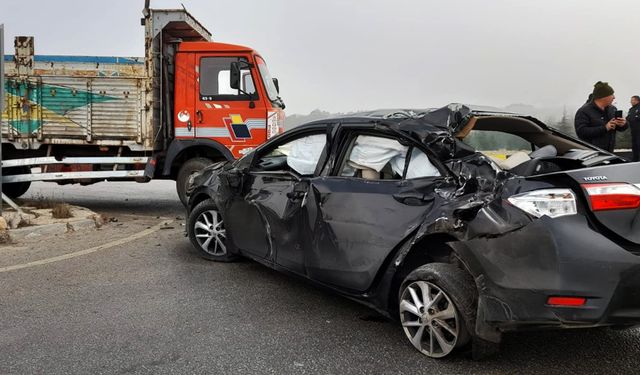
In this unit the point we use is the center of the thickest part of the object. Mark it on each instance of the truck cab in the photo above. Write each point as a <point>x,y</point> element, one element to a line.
<point>225,93</point>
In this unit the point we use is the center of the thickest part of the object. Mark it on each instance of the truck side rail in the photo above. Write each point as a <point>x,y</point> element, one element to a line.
<point>49,160</point>
<point>113,163</point>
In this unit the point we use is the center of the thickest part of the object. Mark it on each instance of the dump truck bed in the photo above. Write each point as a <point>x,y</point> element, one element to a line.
<point>76,100</point>
<point>99,101</point>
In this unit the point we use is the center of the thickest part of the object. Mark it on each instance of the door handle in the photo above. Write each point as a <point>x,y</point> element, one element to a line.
<point>413,199</point>
<point>199,116</point>
<point>295,195</point>
<point>189,125</point>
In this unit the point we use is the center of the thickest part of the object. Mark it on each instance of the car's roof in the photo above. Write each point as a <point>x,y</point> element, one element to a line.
<point>397,116</point>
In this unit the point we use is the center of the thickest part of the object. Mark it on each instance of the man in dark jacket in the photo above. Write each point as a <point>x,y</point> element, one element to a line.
<point>595,121</point>
<point>633,118</point>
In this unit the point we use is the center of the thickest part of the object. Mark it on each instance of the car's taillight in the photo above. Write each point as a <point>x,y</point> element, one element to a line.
<point>559,301</point>
<point>549,202</point>
<point>613,196</point>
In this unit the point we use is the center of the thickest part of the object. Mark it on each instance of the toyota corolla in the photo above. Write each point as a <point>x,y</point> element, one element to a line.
<point>462,224</point>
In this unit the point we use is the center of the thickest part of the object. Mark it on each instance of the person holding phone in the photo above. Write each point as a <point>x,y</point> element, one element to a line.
<point>633,118</point>
<point>597,121</point>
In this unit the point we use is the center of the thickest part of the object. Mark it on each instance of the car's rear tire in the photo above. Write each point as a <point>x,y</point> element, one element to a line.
<point>207,232</point>
<point>16,189</point>
<point>190,167</point>
<point>437,304</point>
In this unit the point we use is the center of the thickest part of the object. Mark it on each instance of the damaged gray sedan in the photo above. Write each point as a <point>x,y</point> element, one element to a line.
<point>462,224</point>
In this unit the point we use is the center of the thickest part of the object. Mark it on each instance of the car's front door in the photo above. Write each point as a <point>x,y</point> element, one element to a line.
<point>274,200</point>
<point>373,200</point>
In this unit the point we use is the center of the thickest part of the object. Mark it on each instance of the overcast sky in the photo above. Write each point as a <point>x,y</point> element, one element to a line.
<point>344,55</point>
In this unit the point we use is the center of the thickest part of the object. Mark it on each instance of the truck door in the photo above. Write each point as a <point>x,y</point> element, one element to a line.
<point>234,117</point>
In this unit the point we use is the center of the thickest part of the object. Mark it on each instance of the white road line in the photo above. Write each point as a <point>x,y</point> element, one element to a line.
<point>105,246</point>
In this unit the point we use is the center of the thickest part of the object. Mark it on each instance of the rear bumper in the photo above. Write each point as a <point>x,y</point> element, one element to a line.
<point>516,273</point>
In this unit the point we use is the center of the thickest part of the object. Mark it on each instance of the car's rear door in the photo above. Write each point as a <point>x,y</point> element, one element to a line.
<point>364,210</point>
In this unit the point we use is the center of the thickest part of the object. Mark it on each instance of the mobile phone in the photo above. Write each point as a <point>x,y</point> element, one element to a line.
<point>618,114</point>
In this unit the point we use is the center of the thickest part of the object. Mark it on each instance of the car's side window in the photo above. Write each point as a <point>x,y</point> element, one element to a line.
<point>300,155</point>
<point>381,158</point>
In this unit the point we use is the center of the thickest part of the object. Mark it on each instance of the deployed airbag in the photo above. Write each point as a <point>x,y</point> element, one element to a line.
<point>305,153</point>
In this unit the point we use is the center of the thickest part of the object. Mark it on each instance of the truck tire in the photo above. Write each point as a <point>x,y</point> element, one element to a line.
<point>186,170</point>
<point>16,189</point>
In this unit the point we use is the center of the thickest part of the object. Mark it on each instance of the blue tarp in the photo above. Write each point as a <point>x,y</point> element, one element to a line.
<point>85,59</point>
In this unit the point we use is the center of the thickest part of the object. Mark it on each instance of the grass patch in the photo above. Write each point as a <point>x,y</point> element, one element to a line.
<point>61,211</point>
<point>41,202</point>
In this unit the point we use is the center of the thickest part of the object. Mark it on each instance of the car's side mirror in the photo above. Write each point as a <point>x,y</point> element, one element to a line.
<point>235,178</point>
<point>276,84</point>
<point>234,76</point>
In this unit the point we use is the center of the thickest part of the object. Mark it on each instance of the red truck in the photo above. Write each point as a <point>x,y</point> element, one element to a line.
<point>189,102</point>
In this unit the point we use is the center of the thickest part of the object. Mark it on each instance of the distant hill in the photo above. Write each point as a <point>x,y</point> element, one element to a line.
<point>291,121</point>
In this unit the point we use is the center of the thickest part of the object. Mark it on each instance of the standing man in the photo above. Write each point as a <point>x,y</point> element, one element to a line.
<point>633,118</point>
<point>596,122</point>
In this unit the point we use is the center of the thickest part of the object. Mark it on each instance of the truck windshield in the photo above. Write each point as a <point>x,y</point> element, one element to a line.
<point>269,86</point>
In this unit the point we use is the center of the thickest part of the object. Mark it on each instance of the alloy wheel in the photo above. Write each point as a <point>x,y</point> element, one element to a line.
<point>429,319</point>
<point>210,233</point>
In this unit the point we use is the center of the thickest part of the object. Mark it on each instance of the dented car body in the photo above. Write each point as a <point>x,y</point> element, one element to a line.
<point>401,212</point>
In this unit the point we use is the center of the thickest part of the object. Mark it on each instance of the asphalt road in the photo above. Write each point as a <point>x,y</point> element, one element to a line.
<point>147,304</point>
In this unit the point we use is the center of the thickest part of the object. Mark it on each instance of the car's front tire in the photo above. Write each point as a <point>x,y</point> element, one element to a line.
<point>437,304</point>
<point>207,232</point>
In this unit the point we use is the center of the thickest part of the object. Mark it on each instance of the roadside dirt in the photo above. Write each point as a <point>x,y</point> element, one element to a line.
<point>42,247</point>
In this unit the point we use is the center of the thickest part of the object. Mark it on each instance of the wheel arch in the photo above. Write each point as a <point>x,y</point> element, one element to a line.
<point>197,197</point>
<point>432,248</point>
<point>181,150</point>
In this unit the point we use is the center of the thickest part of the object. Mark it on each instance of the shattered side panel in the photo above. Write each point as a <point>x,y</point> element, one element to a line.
<point>516,272</point>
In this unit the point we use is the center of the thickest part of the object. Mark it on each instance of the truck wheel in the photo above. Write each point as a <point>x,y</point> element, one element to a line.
<point>186,170</point>
<point>16,189</point>
<point>438,308</point>
<point>207,232</point>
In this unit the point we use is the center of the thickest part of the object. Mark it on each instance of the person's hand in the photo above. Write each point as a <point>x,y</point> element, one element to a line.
<point>620,122</point>
<point>611,124</point>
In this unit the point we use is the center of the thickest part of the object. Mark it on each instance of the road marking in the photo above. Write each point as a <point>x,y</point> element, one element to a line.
<point>105,246</point>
